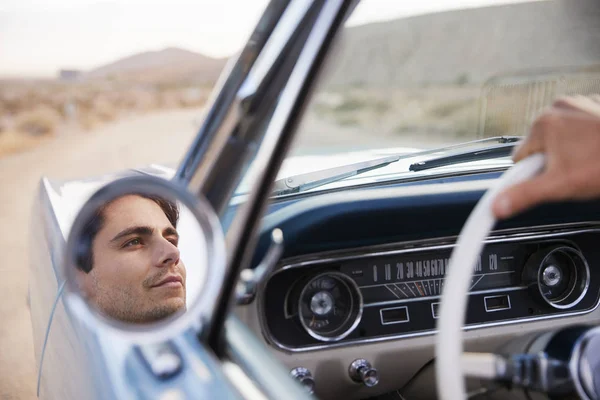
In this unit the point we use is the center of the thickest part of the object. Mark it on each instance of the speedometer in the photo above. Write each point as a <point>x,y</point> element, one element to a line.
<point>330,306</point>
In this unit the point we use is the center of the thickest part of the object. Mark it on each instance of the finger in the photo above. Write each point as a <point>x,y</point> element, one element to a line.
<point>586,105</point>
<point>589,106</point>
<point>566,103</point>
<point>524,195</point>
<point>548,122</point>
<point>534,142</point>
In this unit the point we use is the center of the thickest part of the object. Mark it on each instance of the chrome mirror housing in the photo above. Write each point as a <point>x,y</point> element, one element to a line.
<point>145,258</point>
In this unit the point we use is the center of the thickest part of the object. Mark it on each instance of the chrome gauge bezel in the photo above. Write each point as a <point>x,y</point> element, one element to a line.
<point>355,295</point>
<point>582,283</point>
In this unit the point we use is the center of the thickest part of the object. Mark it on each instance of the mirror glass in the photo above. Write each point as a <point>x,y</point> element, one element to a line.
<point>138,257</point>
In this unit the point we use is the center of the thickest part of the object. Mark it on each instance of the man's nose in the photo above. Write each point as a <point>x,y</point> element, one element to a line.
<point>167,254</point>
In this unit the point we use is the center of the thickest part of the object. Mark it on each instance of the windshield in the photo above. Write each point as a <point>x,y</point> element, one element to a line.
<point>408,76</point>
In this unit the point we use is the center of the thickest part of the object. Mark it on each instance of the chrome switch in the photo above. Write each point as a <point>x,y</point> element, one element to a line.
<point>304,377</point>
<point>361,371</point>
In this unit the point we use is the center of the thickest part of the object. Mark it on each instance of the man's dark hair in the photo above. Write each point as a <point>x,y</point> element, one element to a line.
<point>85,254</point>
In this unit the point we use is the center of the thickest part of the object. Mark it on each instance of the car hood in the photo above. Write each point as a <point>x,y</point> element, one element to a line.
<point>301,164</point>
<point>67,197</point>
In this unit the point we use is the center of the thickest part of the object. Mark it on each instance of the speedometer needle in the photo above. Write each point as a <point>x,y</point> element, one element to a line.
<point>419,288</point>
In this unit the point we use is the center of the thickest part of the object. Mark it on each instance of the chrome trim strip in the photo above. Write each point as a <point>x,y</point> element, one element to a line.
<point>425,333</point>
<point>47,335</point>
<point>499,236</point>
<point>395,322</point>
<point>495,297</point>
<point>402,301</point>
<point>224,104</point>
<point>435,279</point>
<point>260,136</point>
<point>421,245</point>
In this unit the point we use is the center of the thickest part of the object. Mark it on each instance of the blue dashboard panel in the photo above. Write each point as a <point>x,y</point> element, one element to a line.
<point>363,217</point>
<point>287,200</point>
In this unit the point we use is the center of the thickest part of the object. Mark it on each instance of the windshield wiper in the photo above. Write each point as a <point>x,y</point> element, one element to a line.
<point>302,182</point>
<point>502,150</point>
<point>311,180</point>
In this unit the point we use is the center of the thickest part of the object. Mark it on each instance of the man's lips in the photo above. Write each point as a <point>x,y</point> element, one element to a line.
<point>170,281</point>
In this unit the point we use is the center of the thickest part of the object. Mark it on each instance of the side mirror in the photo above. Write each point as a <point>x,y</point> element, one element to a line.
<point>146,258</point>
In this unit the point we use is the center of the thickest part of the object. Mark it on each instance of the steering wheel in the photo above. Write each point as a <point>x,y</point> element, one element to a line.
<point>449,345</point>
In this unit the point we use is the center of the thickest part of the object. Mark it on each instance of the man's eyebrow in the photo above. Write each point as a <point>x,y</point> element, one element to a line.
<point>134,230</point>
<point>170,232</point>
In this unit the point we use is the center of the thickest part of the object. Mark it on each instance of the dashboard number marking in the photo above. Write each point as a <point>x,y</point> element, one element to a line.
<point>410,271</point>
<point>478,265</point>
<point>399,271</point>
<point>493,261</point>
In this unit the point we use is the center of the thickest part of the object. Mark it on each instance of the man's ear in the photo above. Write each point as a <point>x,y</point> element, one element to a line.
<point>85,284</point>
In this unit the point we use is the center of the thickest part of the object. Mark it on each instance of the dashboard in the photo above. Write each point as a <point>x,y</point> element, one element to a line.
<point>394,293</point>
<point>362,272</point>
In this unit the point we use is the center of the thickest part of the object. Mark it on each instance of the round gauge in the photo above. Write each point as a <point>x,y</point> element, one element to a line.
<point>562,276</point>
<point>330,306</point>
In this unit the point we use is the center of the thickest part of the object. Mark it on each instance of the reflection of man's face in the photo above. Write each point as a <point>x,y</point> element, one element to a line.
<point>137,275</point>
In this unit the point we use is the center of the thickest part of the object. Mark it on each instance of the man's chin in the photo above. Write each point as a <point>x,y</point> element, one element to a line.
<point>177,304</point>
<point>160,310</point>
<point>166,310</point>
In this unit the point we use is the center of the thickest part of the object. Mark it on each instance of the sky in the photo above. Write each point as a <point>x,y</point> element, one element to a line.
<point>40,37</point>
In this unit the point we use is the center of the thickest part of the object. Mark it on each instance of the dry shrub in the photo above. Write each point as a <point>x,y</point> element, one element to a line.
<point>144,100</point>
<point>104,110</point>
<point>39,121</point>
<point>11,103</point>
<point>447,109</point>
<point>192,97</point>
<point>12,142</point>
<point>88,121</point>
<point>170,100</point>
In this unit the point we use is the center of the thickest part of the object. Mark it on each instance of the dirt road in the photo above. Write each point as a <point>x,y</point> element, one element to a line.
<point>129,143</point>
<point>157,138</point>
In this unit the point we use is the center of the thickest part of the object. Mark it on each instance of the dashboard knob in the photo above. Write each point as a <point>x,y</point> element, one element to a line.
<point>304,377</point>
<point>361,371</point>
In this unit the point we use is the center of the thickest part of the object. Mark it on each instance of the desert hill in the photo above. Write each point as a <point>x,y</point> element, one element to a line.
<point>168,65</point>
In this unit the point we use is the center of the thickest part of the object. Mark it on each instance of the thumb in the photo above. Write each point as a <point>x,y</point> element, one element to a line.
<point>524,195</point>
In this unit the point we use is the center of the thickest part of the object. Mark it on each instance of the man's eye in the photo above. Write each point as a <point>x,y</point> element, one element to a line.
<point>133,242</point>
<point>175,242</point>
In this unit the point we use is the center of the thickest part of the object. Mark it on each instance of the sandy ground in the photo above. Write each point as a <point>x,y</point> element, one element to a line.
<point>157,138</point>
<point>129,143</point>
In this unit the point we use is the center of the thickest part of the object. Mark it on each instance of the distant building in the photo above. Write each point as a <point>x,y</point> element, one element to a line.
<point>69,74</point>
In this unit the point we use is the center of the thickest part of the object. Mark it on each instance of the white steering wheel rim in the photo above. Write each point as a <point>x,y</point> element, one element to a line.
<point>449,344</point>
